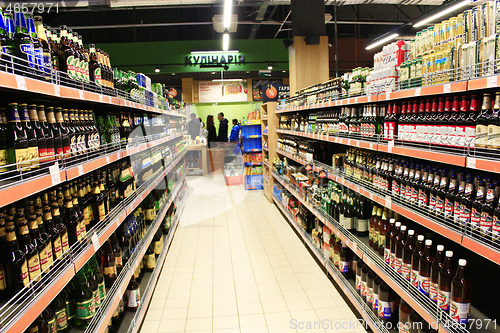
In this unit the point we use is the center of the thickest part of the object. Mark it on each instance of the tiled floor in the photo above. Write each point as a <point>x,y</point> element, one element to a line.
<point>235,265</point>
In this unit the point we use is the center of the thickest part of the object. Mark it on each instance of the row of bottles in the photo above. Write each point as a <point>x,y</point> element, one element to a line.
<point>459,195</point>
<point>45,49</point>
<point>35,136</point>
<point>79,301</point>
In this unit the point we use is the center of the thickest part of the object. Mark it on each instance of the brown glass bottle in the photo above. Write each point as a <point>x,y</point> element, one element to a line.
<point>401,239</point>
<point>50,152</point>
<point>415,260</point>
<point>444,283</point>
<point>117,251</point>
<point>32,255</point>
<point>461,293</point>
<point>407,255</point>
<point>371,225</point>
<point>424,268</point>
<point>61,317</point>
<point>31,137</point>
<point>133,295</point>
<point>109,265</point>
<point>364,275</point>
<point>383,229</point>
<point>72,223</point>
<point>477,205</point>
<point>386,304</point>
<point>16,267</point>
<point>394,240</point>
<point>388,237</point>
<point>45,253</point>
<point>435,269</point>
<point>404,313</point>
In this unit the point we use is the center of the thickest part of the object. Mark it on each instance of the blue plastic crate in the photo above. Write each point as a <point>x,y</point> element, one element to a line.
<point>254,182</point>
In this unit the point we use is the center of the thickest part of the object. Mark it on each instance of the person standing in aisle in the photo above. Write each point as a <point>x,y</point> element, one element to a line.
<point>235,132</point>
<point>194,126</point>
<point>212,135</point>
<point>223,127</point>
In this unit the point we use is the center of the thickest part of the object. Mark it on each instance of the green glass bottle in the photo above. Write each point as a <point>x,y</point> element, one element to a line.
<point>84,301</point>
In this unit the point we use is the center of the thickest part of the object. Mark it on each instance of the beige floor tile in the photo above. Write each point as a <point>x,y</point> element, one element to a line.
<point>226,322</point>
<point>271,296</point>
<point>150,326</point>
<point>281,329</point>
<point>248,298</point>
<point>201,301</point>
<point>199,312</point>
<point>225,310</point>
<point>199,324</point>
<point>299,304</point>
<point>279,306</point>
<point>278,318</point>
<point>176,303</point>
<point>249,308</point>
<point>252,320</point>
<point>253,329</point>
<point>174,313</point>
<point>172,325</point>
<point>226,330</point>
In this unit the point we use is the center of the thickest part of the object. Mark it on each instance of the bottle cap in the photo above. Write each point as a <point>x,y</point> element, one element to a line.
<point>449,254</point>
<point>428,242</point>
<point>462,262</point>
<point>398,224</point>
<point>411,232</point>
<point>420,238</point>
<point>392,220</point>
<point>440,247</point>
<point>403,228</point>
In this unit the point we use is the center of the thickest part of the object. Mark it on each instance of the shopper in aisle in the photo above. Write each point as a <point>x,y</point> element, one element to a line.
<point>223,127</point>
<point>235,132</point>
<point>194,126</point>
<point>203,129</point>
<point>211,134</point>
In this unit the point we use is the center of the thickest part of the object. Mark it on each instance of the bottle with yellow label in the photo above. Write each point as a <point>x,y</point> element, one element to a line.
<point>32,255</point>
<point>150,260</point>
<point>17,143</point>
<point>16,267</point>
<point>44,252</point>
<point>109,265</point>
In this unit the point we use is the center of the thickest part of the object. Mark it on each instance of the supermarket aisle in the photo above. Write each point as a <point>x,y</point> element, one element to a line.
<point>235,265</point>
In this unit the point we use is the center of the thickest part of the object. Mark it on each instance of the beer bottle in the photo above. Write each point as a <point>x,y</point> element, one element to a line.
<point>43,44</point>
<point>109,265</point>
<point>32,255</point>
<point>54,236</point>
<point>383,229</point>
<point>477,205</point>
<point>93,270</point>
<point>407,253</point>
<point>67,294</point>
<point>376,287</point>
<point>72,222</point>
<point>415,260</point>
<point>66,54</point>
<point>63,132</point>
<point>460,295</point>
<point>364,272</point>
<point>98,205</point>
<point>117,252</point>
<point>401,239</point>
<point>149,259</point>
<point>376,231</point>
<point>93,285</point>
<point>73,133</point>
<point>493,140</point>
<point>94,67</point>
<point>44,250</point>
<point>32,139</point>
<point>17,140</point>
<point>48,136</point>
<point>388,238</point>
<point>460,193</point>
<point>7,44</point>
<point>56,132</point>
<point>466,202</point>
<point>369,288</point>
<point>158,242</point>
<point>132,295</point>
<point>404,313</point>
<point>450,196</point>
<point>394,240</point>
<point>482,122</point>
<point>84,301</point>
<point>125,244</point>
<point>53,40</point>
<point>78,210</point>
<point>444,283</point>
<point>24,45</point>
<point>37,46</point>
<point>487,211</point>
<point>49,316</point>
<point>434,190</point>
<point>435,269</point>
<point>386,303</point>
<point>359,268</point>
<point>16,267</point>
<point>61,317</point>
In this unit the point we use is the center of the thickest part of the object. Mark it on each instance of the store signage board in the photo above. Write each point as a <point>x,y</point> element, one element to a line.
<point>214,58</point>
<point>230,91</point>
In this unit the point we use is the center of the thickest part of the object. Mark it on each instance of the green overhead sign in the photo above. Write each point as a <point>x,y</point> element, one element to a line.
<point>178,56</point>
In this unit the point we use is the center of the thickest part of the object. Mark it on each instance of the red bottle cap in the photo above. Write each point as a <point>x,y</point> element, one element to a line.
<point>421,107</point>
<point>464,105</point>
<point>434,105</point>
<point>441,105</point>
<point>428,106</point>
<point>474,104</point>
<point>415,107</point>
<point>447,104</point>
<point>455,105</point>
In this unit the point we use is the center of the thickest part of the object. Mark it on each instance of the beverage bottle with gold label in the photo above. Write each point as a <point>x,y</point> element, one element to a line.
<point>54,237</point>
<point>44,249</point>
<point>132,295</point>
<point>117,252</point>
<point>16,267</point>
<point>31,137</point>
<point>494,125</point>
<point>17,141</point>
<point>482,122</point>
<point>109,264</point>
<point>48,315</point>
<point>93,270</point>
<point>98,204</point>
<point>72,222</point>
<point>84,301</point>
<point>61,316</point>
<point>158,242</point>
<point>149,259</point>
<point>50,153</point>
<point>32,255</point>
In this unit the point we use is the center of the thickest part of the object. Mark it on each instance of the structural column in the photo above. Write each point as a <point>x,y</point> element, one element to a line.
<point>308,55</point>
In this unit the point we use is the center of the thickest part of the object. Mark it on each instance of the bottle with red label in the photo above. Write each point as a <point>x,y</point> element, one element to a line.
<point>424,268</point>
<point>450,196</point>
<point>470,122</point>
<point>376,287</point>
<point>487,212</point>
<point>359,268</point>
<point>364,274</point>
<point>466,201</point>
<point>495,231</point>
<point>415,260</point>
<point>401,239</point>
<point>394,240</point>
<point>16,266</point>
<point>388,238</point>
<point>444,283</point>
<point>441,193</point>
<point>434,190</point>
<point>458,197</point>
<point>407,255</point>
<point>403,122</point>
<point>382,232</point>
<point>461,121</point>
<point>455,129</point>
<point>435,269</point>
<point>460,295</point>
<point>475,215</point>
<point>386,304</point>
<point>432,125</point>
<point>404,313</point>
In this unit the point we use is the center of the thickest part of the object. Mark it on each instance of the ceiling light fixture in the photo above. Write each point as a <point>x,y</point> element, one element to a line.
<point>225,42</point>
<point>157,70</point>
<point>228,6</point>
<point>442,13</point>
<point>381,41</point>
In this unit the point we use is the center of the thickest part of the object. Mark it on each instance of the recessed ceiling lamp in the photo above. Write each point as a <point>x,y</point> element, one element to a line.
<point>228,6</point>
<point>157,70</point>
<point>270,67</point>
<point>442,13</point>
<point>381,41</point>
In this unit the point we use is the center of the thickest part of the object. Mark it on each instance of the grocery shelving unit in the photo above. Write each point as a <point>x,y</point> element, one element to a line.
<point>269,119</point>
<point>466,157</point>
<point>18,313</point>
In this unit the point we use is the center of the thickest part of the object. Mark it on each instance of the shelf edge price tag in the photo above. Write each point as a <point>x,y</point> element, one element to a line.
<point>447,88</point>
<point>55,174</point>
<point>57,90</point>
<point>388,201</point>
<point>95,242</point>
<point>418,91</point>
<point>370,145</point>
<point>369,98</point>
<point>100,98</point>
<point>491,82</point>
<point>80,170</point>
<point>367,262</point>
<point>390,145</point>
<point>107,159</point>
<point>21,83</point>
<point>80,92</point>
<point>354,247</point>
<point>471,162</point>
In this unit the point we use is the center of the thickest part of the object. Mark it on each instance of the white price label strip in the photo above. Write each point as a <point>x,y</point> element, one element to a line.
<point>418,91</point>
<point>21,83</point>
<point>80,92</point>
<point>447,88</point>
<point>367,262</point>
<point>95,242</point>
<point>471,162</point>
<point>57,91</point>
<point>55,174</point>
<point>387,95</point>
<point>80,170</point>
<point>491,82</point>
<point>388,201</point>
<point>390,145</point>
<point>107,159</point>
<point>100,98</point>
<point>354,247</point>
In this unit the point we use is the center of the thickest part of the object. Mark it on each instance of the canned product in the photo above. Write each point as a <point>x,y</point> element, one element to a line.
<point>474,24</point>
<point>466,25</point>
